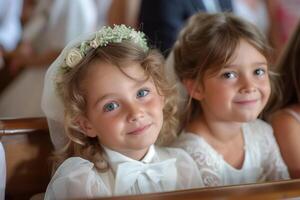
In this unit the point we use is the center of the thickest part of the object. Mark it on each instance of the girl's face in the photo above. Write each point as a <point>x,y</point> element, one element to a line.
<point>125,114</point>
<point>239,91</point>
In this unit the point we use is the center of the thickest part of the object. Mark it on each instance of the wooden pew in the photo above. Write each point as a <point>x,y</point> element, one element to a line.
<point>289,189</point>
<point>28,148</point>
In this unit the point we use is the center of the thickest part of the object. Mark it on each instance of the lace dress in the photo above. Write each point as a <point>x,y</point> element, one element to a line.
<point>162,169</point>
<point>262,157</point>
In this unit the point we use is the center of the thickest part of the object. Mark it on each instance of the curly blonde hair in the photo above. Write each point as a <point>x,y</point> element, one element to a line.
<point>73,95</point>
<point>206,44</point>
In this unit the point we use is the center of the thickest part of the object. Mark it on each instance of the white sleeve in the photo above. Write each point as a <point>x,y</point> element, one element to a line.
<point>2,172</point>
<point>207,163</point>
<point>274,166</point>
<point>10,24</point>
<point>76,178</point>
<point>188,173</point>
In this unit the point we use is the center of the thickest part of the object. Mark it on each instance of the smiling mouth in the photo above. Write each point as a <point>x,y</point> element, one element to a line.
<point>247,102</point>
<point>139,130</point>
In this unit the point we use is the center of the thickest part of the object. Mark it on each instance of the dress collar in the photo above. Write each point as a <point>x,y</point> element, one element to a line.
<point>115,158</point>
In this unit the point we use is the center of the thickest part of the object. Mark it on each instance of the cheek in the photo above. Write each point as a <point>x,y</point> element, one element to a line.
<point>155,105</point>
<point>266,87</point>
<point>222,93</point>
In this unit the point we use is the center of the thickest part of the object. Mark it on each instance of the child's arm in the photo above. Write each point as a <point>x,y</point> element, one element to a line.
<point>286,131</point>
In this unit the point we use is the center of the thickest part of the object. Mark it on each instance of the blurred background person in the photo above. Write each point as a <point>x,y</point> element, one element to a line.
<point>52,25</point>
<point>124,12</point>
<point>284,15</point>
<point>255,11</point>
<point>10,26</point>
<point>161,20</point>
<point>10,33</point>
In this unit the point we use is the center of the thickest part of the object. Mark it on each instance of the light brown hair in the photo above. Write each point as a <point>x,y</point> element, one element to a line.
<point>206,44</point>
<point>288,68</point>
<point>72,90</point>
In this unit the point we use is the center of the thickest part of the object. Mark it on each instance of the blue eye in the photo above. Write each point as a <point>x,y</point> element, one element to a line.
<point>142,93</point>
<point>110,106</point>
<point>259,72</point>
<point>229,75</point>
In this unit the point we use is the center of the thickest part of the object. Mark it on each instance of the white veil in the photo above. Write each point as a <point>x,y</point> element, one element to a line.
<point>52,104</point>
<point>172,77</point>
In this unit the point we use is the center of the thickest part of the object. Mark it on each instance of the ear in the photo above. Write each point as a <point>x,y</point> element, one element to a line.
<point>195,90</point>
<point>86,126</point>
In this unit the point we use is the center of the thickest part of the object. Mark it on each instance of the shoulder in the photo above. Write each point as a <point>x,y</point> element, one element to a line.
<point>259,127</point>
<point>285,124</point>
<point>74,164</point>
<point>259,134</point>
<point>190,142</point>
<point>74,179</point>
<point>170,152</point>
<point>75,172</point>
<point>181,156</point>
<point>187,139</point>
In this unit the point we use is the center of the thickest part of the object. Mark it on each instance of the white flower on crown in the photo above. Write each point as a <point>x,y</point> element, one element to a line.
<point>103,37</point>
<point>135,37</point>
<point>73,57</point>
<point>95,43</point>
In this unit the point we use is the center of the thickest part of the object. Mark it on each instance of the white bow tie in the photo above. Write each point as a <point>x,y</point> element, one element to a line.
<point>148,176</point>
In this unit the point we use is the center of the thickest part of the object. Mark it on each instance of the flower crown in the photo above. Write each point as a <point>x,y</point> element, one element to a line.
<point>103,37</point>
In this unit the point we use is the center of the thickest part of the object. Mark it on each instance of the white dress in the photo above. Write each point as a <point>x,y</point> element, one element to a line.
<point>2,172</point>
<point>162,169</point>
<point>262,157</point>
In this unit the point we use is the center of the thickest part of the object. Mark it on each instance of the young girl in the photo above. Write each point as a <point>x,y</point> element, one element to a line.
<point>116,103</point>
<point>223,63</point>
<point>286,108</point>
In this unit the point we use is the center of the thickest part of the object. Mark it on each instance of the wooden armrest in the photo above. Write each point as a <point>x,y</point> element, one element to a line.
<point>22,126</point>
<point>27,148</point>
<point>271,190</point>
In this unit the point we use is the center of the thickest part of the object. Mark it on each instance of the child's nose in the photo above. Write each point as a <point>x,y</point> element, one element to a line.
<point>248,85</point>
<point>135,113</point>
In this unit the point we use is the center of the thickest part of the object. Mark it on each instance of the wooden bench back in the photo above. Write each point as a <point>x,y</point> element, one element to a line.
<point>27,147</point>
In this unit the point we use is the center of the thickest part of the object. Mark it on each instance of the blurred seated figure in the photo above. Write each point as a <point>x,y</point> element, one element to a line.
<point>161,20</point>
<point>255,11</point>
<point>53,24</point>
<point>10,26</point>
<point>284,15</point>
<point>124,12</point>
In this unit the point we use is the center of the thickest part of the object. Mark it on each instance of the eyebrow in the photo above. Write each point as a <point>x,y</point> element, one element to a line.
<point>136,85</point>
<point>253,64</point>
<point>106,96</point>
